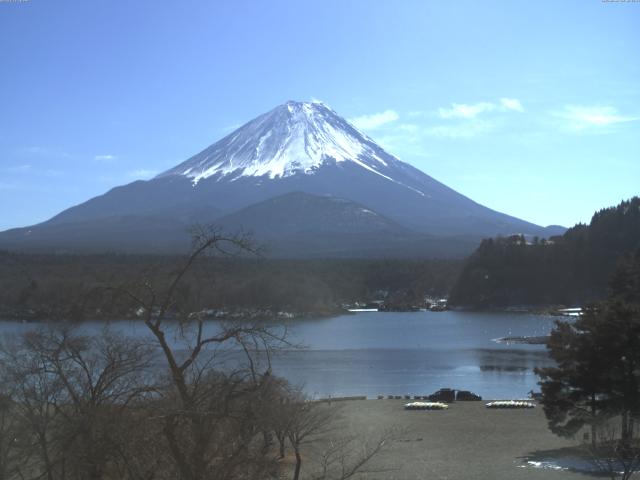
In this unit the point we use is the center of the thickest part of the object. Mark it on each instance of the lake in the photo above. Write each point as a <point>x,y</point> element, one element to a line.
<point>386,353</point>
<point>383,353</point>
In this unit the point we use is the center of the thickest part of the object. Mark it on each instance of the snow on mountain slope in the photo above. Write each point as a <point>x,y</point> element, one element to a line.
<point>297,137</point>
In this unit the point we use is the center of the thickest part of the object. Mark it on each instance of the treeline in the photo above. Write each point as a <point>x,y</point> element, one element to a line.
<point>89,286</point>
<point>566,270</point>
<point>189,400</point>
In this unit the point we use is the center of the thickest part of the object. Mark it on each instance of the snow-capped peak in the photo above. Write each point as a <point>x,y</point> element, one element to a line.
<point>296,137</point>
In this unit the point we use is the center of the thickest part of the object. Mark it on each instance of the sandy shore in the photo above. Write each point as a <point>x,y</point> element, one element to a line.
<point>467,441</point>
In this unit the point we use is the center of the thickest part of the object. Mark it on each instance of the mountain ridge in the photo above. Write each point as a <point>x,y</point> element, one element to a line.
<point>295,147</point>
<point>291,138</point>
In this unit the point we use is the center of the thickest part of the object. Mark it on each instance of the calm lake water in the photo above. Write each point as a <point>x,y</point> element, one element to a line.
<point>373,353</point>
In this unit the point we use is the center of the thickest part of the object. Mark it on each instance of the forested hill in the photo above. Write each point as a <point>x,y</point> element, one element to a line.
<point>566,270</point>
<point>77,287</point>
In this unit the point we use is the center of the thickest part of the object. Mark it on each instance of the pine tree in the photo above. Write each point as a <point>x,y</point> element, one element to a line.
<point>574,391</point>
<point>597,372</point>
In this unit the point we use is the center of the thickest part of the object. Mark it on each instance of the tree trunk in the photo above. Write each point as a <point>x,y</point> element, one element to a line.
<point>45,455</point>
<point>174,447</point>
<point>625,429</point>
<point>594,440</point>
<point>281,442</point>
<point>296,473</point>
<point>266,441</point>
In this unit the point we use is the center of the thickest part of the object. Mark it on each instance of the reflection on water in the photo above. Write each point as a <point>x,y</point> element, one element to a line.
<point>510,361</point>
<point>417,353</point>
<point>400,353</point>
<point>502,368</point>
<point>411,371</point>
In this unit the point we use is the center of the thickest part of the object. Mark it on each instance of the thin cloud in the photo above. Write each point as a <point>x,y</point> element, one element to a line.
<point>581,118</point>
<point>459,121</point>
<point>17,169</point>
<point>409,128</point>
<point>470,111</point>
<point>25,169</point>
<point>34,150</point>
<point>460,130</point>
<point>375,120</point>
<point>105,158</point>
<point>142,174</point>
<point>230,128</point>
<point>401,136</point>
<point>468,120</point>
<point>511,104</point>
<point>463,110</point>
<point>45,152</point>
<point>404,144</point>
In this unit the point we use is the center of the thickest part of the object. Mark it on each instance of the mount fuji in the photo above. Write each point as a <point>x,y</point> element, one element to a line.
<point>305,180</point>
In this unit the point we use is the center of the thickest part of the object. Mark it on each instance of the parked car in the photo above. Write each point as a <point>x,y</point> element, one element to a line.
<point>446,395</point>
<point>467,396</point>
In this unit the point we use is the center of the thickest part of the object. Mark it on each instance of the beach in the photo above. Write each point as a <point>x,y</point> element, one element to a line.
<point>466,441</point>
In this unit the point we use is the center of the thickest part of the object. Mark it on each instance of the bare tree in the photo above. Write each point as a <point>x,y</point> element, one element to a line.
<point>72,394</point>
<point>215,373</point>
<point>617,456</point>
<point>306,420</point>
<point>274,412</point>
<point>11,438</point>
<point>345,457</point>
<point>75,407</point>
<point>335,456</point>
<point>35,394</point>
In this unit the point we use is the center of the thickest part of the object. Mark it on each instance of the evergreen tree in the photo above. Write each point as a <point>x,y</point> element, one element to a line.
<point>625,283</point>
<point>597,372</point>
<point>568,269</point>
<point>574,391</point>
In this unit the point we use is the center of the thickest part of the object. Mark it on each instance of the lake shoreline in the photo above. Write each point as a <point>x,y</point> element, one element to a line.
<point>42,316</point>
<point>546,310</point>
<point>62,315</point>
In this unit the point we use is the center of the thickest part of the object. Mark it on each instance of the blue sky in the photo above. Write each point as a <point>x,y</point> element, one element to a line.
<point>530,108</point>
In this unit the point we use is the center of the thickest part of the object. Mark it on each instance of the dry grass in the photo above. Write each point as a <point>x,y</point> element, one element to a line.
<point>467,441</point>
